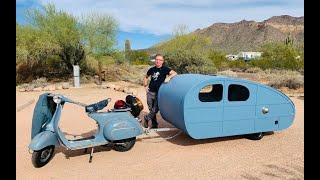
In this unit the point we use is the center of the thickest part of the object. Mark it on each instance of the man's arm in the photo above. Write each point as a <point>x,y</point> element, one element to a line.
<point>145,81</point>
<point>172,73</point>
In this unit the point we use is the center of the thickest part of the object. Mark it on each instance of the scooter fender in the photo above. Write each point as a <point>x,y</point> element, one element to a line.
<point>42,140</point>
<point>122,128</point>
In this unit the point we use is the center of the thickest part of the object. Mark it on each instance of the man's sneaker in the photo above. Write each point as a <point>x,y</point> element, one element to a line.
<point>154,125</point>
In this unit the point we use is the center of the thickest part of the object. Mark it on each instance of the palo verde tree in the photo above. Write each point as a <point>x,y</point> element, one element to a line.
<point>181,40</point>
<point>99,36</point>
<point>62,28</point>
<point>98,33</point>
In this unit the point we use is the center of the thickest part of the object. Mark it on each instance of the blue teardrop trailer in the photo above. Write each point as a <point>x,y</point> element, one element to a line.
<point>206,106</point>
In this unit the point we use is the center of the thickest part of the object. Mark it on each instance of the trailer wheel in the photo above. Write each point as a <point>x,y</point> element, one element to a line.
<point>255,136</point>
<point>42,157</point>
<point>124,145</point>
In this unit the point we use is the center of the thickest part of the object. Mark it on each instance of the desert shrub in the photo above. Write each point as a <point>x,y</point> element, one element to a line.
<point>238,64</point>
<point>219,59</point>
<point>183,61</point>
<point>140,62</point>
<point>279,56</point>
<point>26,72</point>
<point>262,63</point>
<point>118,56</point>
<point>188,42</point>
<point>138,57</point>
<point>107,60</point>
<point>90,67</point>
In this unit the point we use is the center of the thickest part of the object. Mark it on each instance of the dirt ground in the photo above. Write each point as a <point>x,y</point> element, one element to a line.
<point>276,156</point>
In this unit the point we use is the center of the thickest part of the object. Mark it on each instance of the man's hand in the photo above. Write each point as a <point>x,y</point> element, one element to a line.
<point>145,83</point>
<point>172,73</point>
<point>146,88</point>
<point>167,79</point>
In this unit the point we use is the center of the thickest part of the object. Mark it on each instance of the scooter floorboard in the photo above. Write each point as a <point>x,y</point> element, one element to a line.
<point>74,145</point>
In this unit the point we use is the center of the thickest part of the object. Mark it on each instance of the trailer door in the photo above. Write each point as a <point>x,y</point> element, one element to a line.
<point>239,108</point>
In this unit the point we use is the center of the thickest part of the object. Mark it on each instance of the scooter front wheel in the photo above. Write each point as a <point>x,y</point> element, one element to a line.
<point>124,145</point>
<point>42,157</point>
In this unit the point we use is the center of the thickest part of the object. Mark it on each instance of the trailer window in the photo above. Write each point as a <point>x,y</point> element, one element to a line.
<point>237,93</point>
<point>211,93</point>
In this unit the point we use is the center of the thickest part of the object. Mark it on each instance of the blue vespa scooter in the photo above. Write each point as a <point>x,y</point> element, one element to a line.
<point>118,127</point>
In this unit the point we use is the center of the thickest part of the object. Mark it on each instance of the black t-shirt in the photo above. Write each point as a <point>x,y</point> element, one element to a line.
<point>158,75</point>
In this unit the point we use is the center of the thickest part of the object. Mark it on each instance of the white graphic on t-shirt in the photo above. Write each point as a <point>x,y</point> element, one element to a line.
<point>155,76</point>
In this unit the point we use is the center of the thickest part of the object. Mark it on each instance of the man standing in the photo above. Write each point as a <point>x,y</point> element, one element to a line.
<point>158,74</point>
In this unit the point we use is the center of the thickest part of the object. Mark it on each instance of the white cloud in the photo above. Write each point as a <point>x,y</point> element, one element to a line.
<point>160,16</point>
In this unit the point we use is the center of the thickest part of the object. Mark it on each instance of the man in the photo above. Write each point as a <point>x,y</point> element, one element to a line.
<point>158,75</point>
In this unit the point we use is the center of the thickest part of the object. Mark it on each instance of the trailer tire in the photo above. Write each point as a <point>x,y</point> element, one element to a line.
<point>124,145</point>
<point>255,136</point>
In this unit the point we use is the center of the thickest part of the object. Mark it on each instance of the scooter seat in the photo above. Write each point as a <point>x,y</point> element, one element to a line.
<point>97,106</point>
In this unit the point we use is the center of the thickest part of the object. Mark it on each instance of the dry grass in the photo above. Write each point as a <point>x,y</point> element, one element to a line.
<point>125,72</point>
<point>283,78</point>
<point>274,78</point>
<point>40,82</point>
<point>228,73</point>
<point>253,70</point>
<point>84,79</point>
<point>291,83</point>
<point>115,72</point>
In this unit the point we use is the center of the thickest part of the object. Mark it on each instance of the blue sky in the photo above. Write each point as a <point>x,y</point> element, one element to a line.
<point>147,22</point>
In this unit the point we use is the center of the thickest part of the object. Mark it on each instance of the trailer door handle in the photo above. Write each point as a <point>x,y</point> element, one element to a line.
<point>265,110</point>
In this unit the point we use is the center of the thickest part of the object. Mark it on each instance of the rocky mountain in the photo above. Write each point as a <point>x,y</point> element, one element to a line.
<point>250,35</point>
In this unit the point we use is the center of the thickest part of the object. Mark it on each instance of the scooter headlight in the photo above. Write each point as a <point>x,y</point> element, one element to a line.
<point>57,99</point>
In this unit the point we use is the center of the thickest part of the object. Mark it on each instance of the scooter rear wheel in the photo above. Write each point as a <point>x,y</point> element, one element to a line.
<point>42,157</point>
<point>124,145</point>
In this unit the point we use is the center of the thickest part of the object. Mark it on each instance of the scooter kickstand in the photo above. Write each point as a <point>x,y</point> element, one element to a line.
<point>91,154</point>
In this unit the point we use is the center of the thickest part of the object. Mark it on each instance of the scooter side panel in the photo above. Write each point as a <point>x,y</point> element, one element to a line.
<point>122,125</point>
<point>42,140</point>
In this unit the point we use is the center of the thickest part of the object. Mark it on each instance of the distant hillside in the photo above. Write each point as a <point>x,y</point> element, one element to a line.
<point>250,35</point>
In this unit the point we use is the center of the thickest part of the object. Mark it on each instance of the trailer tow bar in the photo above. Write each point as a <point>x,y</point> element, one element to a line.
<point>148,131</point>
